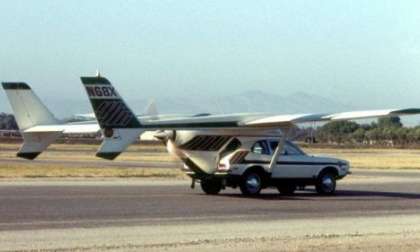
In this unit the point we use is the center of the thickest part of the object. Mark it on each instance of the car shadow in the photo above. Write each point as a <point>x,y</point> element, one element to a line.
<point>339,195</point>
<point>364,193</point>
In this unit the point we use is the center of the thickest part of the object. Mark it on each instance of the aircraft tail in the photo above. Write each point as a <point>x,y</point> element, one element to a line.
<point>151,110</point>
<point>29,111</point>
<point>119,124</point>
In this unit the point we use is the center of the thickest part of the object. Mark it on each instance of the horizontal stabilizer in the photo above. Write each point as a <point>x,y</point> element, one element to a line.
<point>35,143</point>
<point>116,141</point>
<point>66,128</point>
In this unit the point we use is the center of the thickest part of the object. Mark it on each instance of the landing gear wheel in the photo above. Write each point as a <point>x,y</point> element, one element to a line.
<point>251,184</point>
<point>326,184</point>
<point>286,189</point>
<point>211,186</point>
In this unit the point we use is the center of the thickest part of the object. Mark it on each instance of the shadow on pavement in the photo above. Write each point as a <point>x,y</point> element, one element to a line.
<point>340,195</point>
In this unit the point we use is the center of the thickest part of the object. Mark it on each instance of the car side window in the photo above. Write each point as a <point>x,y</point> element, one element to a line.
<point>288,149</point>
<point>273,145</point>
<point>261,147</point>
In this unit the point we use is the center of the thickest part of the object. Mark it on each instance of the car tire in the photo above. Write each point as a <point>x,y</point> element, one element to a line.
<point>286,189</point>
<point>211,186</point>
<point>326,184</point>
<point>251,183</point>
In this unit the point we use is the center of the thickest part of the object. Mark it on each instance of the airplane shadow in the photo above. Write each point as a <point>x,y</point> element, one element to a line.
<point>339,195</point>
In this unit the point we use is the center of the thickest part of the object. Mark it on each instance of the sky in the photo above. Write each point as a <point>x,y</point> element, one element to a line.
<point>366,53</point>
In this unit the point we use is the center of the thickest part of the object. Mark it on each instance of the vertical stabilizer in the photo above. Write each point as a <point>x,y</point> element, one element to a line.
<point>151,110</point>
<point>29,111</point>
<point>119,124</point>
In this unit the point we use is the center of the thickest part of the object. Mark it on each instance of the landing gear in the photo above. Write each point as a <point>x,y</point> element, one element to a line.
<point>211,186</point>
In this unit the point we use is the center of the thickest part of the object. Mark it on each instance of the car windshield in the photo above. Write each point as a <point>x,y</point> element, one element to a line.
<point>289,148</point>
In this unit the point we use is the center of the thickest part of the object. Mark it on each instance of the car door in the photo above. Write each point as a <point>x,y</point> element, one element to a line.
<point>293,163</point>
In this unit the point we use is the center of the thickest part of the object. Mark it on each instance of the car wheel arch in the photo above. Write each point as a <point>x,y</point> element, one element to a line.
<point>260,170</point>
<point>329,169</point>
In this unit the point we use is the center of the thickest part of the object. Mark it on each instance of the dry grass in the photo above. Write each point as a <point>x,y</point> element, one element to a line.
<point>11,168</point>
<point>35,170</point>
<point>374,158</point>
<point>64,154</point>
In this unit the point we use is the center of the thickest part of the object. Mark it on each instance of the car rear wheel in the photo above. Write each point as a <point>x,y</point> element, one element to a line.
<point>326,184</point>
<point>251,184</point>
<point>211,186</point>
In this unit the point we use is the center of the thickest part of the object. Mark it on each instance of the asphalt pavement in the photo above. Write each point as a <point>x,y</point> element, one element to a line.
<point>95,203</point>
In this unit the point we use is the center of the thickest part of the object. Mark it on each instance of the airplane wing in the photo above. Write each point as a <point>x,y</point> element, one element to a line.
<point>284,120</point>
<point>260,120</point>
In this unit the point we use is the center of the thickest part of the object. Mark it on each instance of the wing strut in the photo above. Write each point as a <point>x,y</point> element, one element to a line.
<point>279,149</point>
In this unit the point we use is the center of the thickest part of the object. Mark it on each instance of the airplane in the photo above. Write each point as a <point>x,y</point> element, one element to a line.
<point>199,141</point>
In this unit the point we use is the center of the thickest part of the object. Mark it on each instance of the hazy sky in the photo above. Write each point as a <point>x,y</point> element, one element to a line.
<point>364,52</point>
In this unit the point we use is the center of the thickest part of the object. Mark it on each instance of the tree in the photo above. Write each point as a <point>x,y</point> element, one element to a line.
<point>338,131</point>
<point>7,122</point>
<point>359,135</point>
<point>374,135</point>
<point>389,122</point>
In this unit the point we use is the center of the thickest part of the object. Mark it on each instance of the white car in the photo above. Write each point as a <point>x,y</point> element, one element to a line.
<point>248,167</point>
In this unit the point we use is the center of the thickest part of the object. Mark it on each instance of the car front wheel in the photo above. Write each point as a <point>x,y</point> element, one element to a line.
<point>326,184</point>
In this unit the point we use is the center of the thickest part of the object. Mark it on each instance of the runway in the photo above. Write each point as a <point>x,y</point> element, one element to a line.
<point>107,203</point>
<point>141,204</point>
